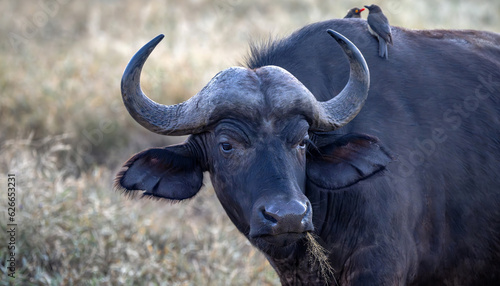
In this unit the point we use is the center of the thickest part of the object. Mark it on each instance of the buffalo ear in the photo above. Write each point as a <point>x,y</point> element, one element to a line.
<point>171,173</point>
<point>345,160</point>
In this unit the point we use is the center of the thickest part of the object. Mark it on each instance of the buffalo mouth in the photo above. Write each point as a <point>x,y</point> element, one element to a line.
<point>279,240</point>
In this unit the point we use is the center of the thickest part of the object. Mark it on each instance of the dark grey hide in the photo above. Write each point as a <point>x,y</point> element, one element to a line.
<point>407,193</point>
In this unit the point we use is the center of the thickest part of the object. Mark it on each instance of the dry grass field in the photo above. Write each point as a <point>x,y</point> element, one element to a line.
<point>64,131</point>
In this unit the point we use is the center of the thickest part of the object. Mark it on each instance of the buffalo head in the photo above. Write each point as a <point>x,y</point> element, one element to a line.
<point>252,131</point>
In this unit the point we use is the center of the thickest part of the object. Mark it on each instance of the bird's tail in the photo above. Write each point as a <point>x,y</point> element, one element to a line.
<point>382,49</point>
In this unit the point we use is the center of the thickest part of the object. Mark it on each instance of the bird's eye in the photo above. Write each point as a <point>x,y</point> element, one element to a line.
<point>226,147</point>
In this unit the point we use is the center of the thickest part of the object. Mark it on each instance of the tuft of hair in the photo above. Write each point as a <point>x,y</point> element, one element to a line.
<point>317,255</point>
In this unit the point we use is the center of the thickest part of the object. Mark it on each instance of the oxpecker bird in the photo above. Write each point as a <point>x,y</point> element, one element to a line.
<point>378,25</point>
<point>354,13</point>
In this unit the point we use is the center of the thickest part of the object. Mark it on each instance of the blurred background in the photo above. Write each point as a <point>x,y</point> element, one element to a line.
<point>64,131</point>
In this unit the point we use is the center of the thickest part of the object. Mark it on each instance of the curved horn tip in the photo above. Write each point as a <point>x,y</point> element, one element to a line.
<point>148,48</point>
<point>158,38</point>
<point>348,45</point>
<point>336,35</point>
<point>139,59</point>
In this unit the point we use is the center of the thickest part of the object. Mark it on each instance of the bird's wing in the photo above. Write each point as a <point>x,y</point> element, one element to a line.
<point>380,25</point>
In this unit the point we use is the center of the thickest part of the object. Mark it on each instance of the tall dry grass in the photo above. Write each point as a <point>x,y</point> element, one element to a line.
<point>76,231</point>
<point>64,131</point>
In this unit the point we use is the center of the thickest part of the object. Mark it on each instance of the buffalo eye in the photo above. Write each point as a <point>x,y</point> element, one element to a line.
<point>303,143</point>
<point>226,147</point>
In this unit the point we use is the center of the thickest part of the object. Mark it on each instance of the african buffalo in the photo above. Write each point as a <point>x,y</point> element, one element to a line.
<point>407,192</point>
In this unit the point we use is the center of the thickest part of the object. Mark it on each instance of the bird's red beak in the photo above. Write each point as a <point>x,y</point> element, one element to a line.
<point>363,9</point>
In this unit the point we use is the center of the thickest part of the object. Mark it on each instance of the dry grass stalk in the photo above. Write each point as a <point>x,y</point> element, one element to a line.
<point>318,256</point>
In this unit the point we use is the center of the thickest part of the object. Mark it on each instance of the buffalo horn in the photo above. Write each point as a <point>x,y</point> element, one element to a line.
<point>193,115</point>
<point>341,109</point>
<point>180,119</point>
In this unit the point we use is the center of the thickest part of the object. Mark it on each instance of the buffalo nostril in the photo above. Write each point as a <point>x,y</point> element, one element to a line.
<point>308,212</point>
<point>289,212</point>
<point>269,216</point>
<point>282,216</point>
